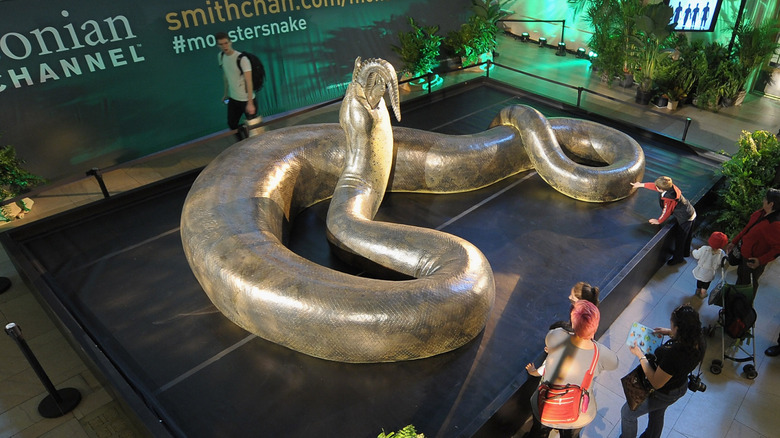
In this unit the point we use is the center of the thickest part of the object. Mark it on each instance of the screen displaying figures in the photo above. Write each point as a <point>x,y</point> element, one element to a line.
<point>695,15</point>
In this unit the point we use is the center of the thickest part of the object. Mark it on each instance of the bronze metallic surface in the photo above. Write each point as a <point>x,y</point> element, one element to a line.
<point>234,218</point>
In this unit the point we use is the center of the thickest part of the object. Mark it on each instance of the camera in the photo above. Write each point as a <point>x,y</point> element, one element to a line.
<point>695,383</point>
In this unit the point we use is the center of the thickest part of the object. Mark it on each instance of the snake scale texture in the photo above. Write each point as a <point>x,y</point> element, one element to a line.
<point>236,213</point>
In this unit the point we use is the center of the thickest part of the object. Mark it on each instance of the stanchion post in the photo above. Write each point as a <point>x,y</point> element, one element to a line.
<point>687,125</point>
<point>99,177</point>
<point>57,403</point>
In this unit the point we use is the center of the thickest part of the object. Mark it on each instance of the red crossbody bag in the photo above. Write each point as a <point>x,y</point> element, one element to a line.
<point>560,404</point>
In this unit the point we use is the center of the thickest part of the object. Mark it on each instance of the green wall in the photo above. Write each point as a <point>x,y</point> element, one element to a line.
<point>92,83</point>
<point>88,83</point>
<point>578,32</point>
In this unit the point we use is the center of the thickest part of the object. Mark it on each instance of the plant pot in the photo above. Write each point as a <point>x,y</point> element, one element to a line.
<point>404,85</point>
<point>643,96</point>
<point>453,63</point>
<point>15,210</point>
<point>726,102</point>
<point>740,98</point>
<point>661,101</point>
<point>485,57</point>
<point>627,81</point>
<point>672,105</point>
<point>425,82</point>
<point>482,58</point>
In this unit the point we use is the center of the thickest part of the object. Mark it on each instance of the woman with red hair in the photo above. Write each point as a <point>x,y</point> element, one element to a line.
<point>569,356</point>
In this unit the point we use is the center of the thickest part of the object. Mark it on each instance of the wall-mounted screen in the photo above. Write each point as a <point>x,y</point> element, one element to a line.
<point>695,15</point>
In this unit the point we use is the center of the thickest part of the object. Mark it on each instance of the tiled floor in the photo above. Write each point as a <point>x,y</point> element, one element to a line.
<point>731,407</point>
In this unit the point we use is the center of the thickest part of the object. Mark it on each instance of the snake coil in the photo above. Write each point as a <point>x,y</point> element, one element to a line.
<point>234,218</point>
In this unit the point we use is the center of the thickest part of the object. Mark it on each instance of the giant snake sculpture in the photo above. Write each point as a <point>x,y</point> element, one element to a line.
<point>234,220</point>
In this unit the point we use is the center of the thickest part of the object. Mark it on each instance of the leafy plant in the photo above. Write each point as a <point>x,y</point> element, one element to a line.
<point>604,42</point>
<point>14,180</point>
<point>748,174</point>
<point>491,11</point>
<point>419,48</point>
<point>613,25</point>
<point>754,46</point>
<point>406,432</point>
<point>710,75</point>
<point>692,62</point>
<point>477,36</point>
<point>733,76</point>
<point>652,32</point>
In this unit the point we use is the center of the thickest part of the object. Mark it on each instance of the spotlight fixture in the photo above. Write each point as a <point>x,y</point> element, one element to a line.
<point>561,51</point>
<point>542,41</point>
<point>581,53</point>
<point>524,37</point>
<point>592,54</point>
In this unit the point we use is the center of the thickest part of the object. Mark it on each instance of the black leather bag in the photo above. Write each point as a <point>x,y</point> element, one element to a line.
<point>636,387</point>
<point>734,256</point>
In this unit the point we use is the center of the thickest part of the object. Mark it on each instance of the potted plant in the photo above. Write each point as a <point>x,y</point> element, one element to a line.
<point>753,47</point>
<point>733,76</point>
<point>652,30</point>
<point>418,49</point>
<point>691,60</point>
<point>613,23</point>
<point>748,174</point>
<point>406,432</point>
<point>14,181</point>
<point>674,78</point>
<point>475,40</point>
<point>490,11</point>
<point>710,76</point>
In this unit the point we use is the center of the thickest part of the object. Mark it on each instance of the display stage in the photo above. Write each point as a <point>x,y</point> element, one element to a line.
<point>115,276</point>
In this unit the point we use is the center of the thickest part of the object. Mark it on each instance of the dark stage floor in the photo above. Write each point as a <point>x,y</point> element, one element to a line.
<point>115,275</point>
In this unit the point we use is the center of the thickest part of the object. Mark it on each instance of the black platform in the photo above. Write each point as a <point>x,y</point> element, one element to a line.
<point>114,274</point>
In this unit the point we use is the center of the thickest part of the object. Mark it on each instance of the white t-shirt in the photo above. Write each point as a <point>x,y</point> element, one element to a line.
<point>235,79</point>
<point>567,363</point>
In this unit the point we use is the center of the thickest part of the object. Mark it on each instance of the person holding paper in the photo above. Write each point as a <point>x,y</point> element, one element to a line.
<point>675,359</point>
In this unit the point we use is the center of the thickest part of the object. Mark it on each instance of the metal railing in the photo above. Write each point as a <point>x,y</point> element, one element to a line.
<point>429,77</point>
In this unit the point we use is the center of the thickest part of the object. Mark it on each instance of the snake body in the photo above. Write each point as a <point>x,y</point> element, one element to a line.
<point>235,215</point>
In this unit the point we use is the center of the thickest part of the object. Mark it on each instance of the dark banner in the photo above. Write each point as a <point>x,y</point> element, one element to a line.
<point>92,83</point>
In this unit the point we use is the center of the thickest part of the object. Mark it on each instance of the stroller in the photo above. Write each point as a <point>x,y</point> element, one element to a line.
<point>736,320</point>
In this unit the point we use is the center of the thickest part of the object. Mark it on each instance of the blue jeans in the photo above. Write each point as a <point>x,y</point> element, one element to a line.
<point>655,406</point>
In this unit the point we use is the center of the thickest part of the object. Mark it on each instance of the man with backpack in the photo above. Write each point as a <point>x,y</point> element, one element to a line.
<point>239,88</point>
<point>758,244</point>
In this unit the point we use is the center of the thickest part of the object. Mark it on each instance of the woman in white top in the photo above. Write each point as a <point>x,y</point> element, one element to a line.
<point>569,355</point>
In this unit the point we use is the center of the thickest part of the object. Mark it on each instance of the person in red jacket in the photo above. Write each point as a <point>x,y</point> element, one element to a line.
<point>759,244</point>
<point>673,203</point>
<point>759,241</point>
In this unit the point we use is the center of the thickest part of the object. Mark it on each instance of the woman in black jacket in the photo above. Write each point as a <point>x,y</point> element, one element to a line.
<point>674,361</point>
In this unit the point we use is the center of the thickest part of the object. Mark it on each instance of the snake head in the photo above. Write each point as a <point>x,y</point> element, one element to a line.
<point>378,77</point>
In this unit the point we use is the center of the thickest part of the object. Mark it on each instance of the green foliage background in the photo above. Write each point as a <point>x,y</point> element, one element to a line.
<point>751,171</point>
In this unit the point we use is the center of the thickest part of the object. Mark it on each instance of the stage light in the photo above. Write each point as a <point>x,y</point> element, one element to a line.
<point>524,37</point>
<point>561,51</point>
<point>592,54</point>
<point>542,41</point>
<point>581,53</point>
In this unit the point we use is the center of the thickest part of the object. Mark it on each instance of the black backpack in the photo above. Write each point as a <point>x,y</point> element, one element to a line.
<point>258,70</point>
<point>739,316</point>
